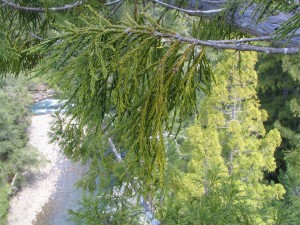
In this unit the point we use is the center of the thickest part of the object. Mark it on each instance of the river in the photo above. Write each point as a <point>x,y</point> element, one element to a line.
<point>66,196</point>
<point>46,199</point>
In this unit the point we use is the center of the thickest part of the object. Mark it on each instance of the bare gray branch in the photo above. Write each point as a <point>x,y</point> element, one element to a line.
<point>223,45</point>
<point>40,9</point>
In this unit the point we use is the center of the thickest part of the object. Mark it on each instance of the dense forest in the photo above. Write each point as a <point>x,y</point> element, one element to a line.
<point>17,157</point>
<point>188,112</point>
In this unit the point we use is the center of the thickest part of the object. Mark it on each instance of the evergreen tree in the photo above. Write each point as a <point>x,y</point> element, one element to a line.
<point>16,156</point>
<point>281,100</point>
<point>229,150</point>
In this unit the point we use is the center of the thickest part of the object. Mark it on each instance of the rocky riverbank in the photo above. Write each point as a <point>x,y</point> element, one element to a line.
<point>29,201</point>
<point>40,91</point>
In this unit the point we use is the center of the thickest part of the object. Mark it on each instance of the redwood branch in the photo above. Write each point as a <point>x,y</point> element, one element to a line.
<point>244,40</point>
<point>221,45</point>
<point>188,11</point>
<point>113,2</point>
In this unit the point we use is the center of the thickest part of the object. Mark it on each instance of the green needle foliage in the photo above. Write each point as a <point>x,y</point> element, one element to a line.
<point>136,77</point>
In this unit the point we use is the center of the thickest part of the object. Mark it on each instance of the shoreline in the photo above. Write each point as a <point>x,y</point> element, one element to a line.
<point>29,202</point>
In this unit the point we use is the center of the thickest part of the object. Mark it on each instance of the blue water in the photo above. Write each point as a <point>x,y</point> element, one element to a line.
<point>47,106</point>
<point>66,197</point>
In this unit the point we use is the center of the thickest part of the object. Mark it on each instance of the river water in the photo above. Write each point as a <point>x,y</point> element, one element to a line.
<point>66,196</point>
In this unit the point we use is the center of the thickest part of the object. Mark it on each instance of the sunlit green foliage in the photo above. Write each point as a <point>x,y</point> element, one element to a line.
<point>228,152</point>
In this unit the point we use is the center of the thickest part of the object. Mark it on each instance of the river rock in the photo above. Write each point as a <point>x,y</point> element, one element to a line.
<point>40,91</point>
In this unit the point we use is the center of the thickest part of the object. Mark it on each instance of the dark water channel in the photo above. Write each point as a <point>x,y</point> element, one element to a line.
<point>66,196</point>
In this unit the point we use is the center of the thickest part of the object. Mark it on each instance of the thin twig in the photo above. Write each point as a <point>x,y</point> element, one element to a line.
<point>213,2</point>
<point>188,11</point>
<point>36,36</point>
<point>115,151</point>
<point>117,6</point>
<point>113,2</point>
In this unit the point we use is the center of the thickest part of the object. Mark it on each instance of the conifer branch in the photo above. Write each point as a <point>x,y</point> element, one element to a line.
<point>40,9</point>
<point>225,45</point>
<point>190,12</point>
<point>214,2</point>
<point>113,2</point>
<point>244,40</point>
